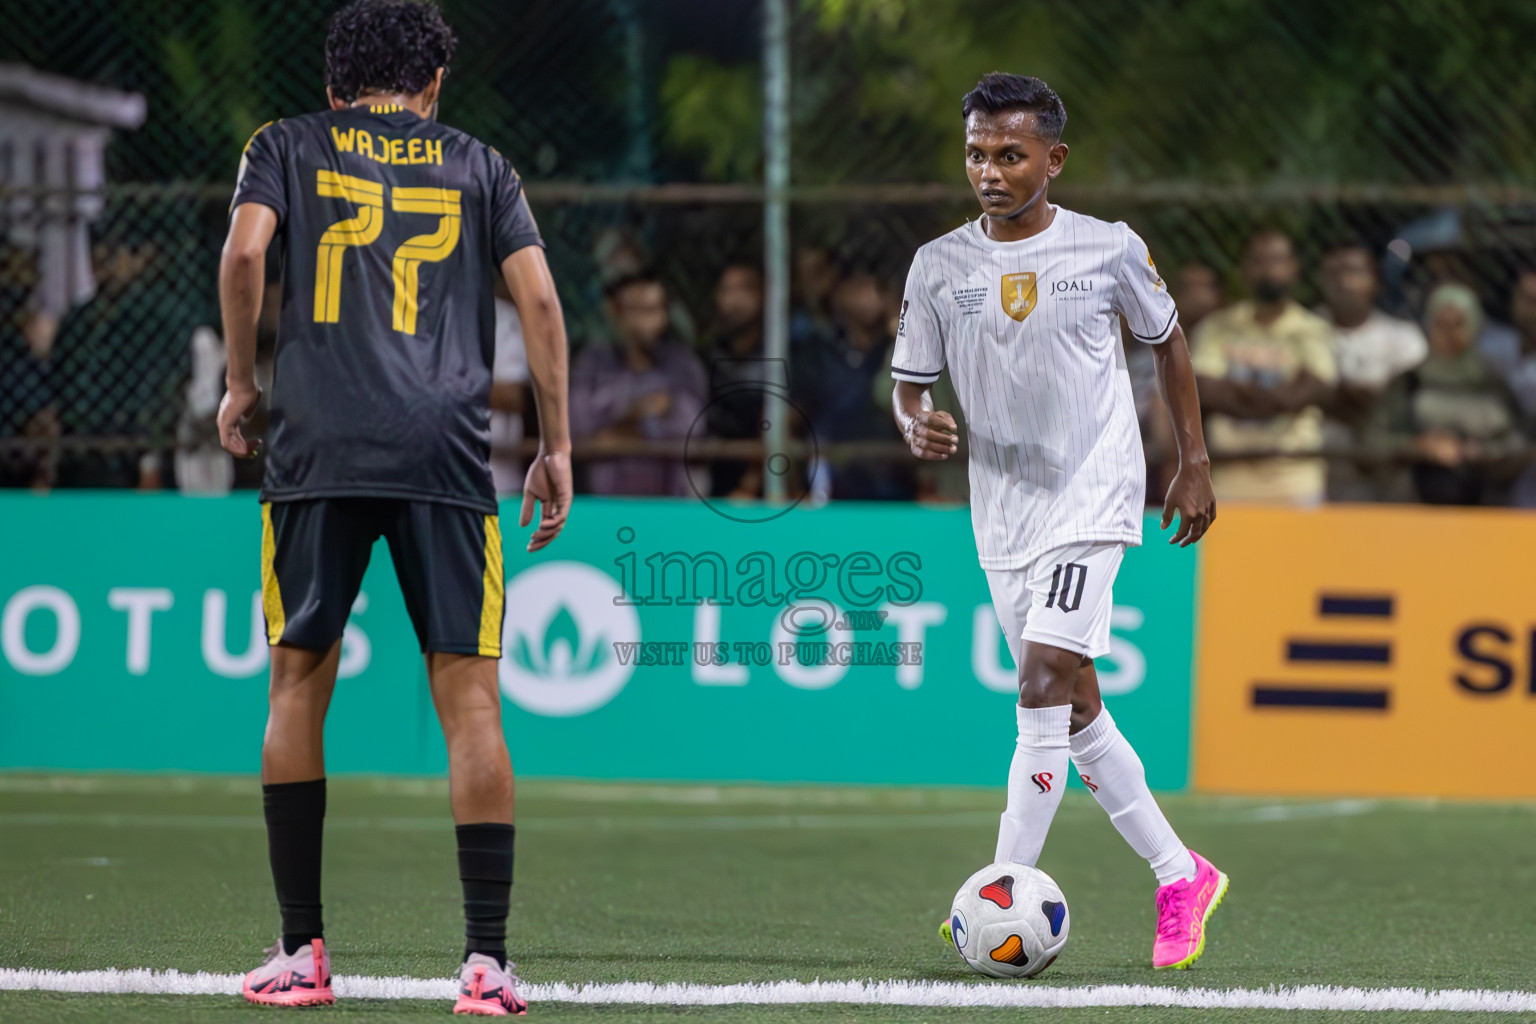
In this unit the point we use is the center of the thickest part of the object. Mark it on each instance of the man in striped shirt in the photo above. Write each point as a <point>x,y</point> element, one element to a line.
<point>1023,306</point>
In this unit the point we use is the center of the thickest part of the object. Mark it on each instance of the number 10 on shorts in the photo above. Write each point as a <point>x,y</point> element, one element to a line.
<point>1067,586</point>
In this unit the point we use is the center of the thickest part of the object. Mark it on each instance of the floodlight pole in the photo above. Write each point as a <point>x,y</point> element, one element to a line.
<point>776,14</point>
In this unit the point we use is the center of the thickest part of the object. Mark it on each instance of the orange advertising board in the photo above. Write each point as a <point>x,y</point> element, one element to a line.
<point>1358,650</point>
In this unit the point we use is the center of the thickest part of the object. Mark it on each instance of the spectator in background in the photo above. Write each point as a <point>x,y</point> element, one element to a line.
<point>27,408</point>
<point>735,348</point>
<point>1264,365</point>
<point>509,389</point>
<point>810,319</point>
<point>1197,293</point>
<point>1453,413</point>
<point>649,387</point>
<point>619,253</point>
<point>200,463</point>
<point>839,380</point>
<point>1512,354</point>
<point>1371,349</point>
<point>118,362</point>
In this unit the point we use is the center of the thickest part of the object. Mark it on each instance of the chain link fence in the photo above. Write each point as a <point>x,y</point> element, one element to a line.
<point>1407,125</point>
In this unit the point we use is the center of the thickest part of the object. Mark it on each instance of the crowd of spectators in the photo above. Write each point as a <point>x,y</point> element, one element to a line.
<point>1341,402</point>
<point>108,369</point>
<point>645,383</point>
<point>1439,409</point>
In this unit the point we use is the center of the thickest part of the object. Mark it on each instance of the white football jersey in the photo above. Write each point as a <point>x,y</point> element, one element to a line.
<point>1030,333</point>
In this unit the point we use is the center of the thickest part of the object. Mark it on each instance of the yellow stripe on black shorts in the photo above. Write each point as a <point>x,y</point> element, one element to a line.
<point>271,594</point>
<point>493,602</point>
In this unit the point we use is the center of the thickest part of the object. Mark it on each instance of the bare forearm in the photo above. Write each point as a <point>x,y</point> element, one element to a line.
<point>549,373</point>
<point>929,433</point>
<point>242,271</point>
<point>533,290</point>
<point>240,286</point>
<point>908,401</point>
<point>1189,492</point>
<point>1176,381</point>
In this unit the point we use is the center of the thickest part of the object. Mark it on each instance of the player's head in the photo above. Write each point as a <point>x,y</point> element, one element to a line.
<point>387,47</point>
<point>1349,282</point>
<point>637,305</point>
<point>739,295</point>
<point>1013,146</point>
<point>1270,267</point>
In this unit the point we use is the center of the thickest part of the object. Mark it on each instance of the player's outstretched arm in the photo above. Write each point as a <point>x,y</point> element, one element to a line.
<point>242,272</point>
<point>931,434</point>
<point>1190,493</point>
<point>549,477</point>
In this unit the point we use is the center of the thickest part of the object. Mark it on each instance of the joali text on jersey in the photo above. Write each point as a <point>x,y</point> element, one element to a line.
<point>1072,288</point>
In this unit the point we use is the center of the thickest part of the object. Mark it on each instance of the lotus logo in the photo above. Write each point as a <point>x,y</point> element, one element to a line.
<point>561,626</point>
<point>564,653</point>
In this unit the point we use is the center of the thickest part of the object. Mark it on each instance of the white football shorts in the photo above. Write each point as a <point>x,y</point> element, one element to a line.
<point>1063,598</point>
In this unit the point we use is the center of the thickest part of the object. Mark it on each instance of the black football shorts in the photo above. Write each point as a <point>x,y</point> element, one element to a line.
<point>447,558</point>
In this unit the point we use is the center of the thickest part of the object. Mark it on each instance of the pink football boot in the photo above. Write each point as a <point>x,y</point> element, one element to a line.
<point>1183,909</point>
<point>487,989</point>
<point>302,979</point>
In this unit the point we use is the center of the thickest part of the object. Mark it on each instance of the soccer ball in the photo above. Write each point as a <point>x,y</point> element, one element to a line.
<point>1009,921</point>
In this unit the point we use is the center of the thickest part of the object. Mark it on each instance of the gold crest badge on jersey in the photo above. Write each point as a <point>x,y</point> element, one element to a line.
<point>1019,296</point>
<point>1159,286</point>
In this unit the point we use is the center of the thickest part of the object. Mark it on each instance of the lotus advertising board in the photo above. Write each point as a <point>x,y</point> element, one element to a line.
<point>655,639</point>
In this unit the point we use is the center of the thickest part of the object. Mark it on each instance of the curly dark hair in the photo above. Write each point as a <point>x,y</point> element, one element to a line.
<point>385,46</point>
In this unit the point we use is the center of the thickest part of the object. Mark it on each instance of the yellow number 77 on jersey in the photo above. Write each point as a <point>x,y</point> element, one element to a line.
<point>364,230</point>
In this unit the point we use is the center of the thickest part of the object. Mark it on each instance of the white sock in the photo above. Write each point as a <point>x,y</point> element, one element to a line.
<point>1035,783</point>
<point>1115,776</point>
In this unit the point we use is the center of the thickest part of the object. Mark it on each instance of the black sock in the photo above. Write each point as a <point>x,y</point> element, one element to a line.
<point>295,826</point>
<point>485,869</point>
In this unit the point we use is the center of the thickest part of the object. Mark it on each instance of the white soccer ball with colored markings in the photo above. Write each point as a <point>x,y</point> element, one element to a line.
<point>1009,921</point>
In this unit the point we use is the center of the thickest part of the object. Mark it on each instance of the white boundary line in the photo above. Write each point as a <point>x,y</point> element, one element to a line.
<point>890,993</point>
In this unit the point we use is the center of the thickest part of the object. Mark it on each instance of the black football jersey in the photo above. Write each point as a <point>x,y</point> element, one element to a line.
<point>391,228</point>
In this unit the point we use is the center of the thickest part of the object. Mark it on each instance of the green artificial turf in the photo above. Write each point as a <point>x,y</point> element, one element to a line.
<point>699,884</point>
